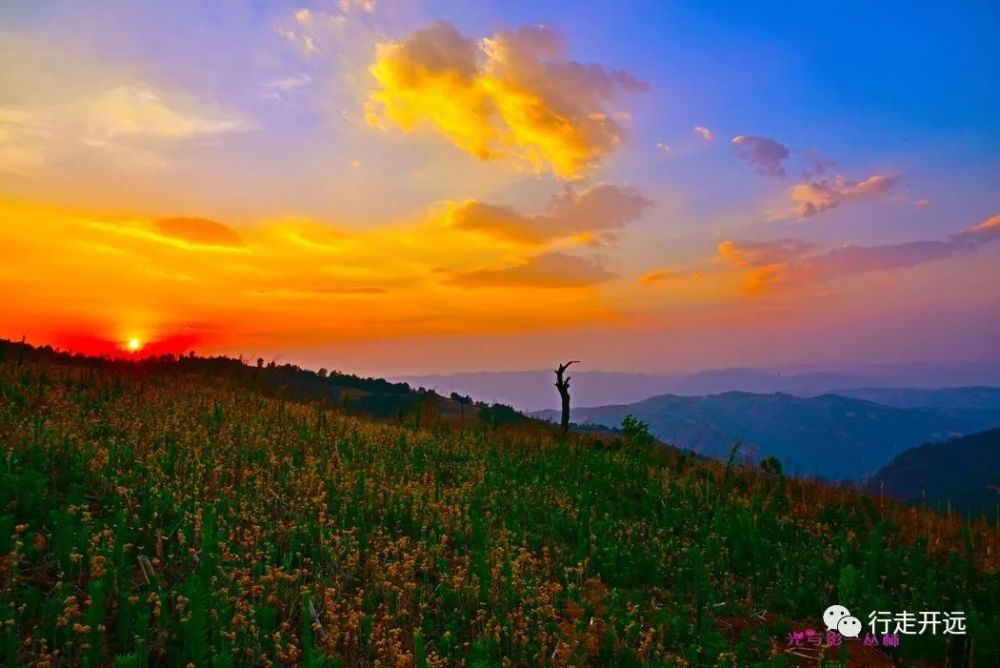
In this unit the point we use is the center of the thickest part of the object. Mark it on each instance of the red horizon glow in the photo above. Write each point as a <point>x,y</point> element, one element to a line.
<point>96,346</point>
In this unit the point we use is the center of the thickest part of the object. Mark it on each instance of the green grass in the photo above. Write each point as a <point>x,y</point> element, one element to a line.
<point>171,518</point>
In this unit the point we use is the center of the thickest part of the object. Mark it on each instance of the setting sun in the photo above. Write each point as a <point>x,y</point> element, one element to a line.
<point>133,345</point>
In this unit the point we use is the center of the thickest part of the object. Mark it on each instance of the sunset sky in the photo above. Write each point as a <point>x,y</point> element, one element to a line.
<point>393,187</point>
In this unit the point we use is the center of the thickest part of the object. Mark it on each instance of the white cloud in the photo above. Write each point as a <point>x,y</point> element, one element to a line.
<point>140,109</point>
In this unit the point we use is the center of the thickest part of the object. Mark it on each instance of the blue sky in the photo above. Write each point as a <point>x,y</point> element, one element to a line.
<point>860,125</point>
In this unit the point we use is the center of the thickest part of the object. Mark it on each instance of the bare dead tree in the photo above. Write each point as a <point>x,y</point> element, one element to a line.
<point>562,384</point>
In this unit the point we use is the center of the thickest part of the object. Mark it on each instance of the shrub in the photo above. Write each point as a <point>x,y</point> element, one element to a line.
<point>636,431</point>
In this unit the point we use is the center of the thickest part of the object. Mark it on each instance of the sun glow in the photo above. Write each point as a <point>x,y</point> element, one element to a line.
<point>134,345</point>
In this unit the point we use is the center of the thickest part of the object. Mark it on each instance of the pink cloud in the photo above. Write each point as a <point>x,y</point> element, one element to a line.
<point>819,196</point>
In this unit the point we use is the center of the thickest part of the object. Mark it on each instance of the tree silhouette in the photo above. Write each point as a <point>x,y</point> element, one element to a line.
<point>562,384</point>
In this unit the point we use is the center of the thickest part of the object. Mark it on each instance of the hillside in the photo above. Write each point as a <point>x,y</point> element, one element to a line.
<point>963,473</point>
<point>160,514</point>
<point>837,438</point>
<point>373,397</point>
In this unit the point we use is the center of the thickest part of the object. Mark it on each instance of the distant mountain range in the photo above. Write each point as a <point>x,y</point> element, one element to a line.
<point>963,472</point>
<point>533,390</point>
<point>830,436</point>
<point>948,399</point>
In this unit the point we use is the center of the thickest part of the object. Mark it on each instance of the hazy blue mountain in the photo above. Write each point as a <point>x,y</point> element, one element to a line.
<point>835,437</point>
<point>963,472</point>
<point>752,380</point>
<point>985,399</point>
<point>532,390</point>
<point>925,374</point>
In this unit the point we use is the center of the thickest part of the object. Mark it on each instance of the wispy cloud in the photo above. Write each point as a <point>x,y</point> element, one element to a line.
<point>597,210</point>
<point>789,264</point>
<point>115,120</point>
<point>328,28</point>
<point>815,193</point>
<point>988,230</point>
<point>704,132</point>
<point>140,109</point>
<point>23,136</point>
<point>547,270</point>
<point>818,196</point>
<point>659,276</point>
<point>815,164</point>
<point>288,83</point>
<point>199,231</point>
<point>742,254</point>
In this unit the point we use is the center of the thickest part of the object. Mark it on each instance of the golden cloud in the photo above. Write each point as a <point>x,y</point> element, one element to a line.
<point>514,94</point>
<point>663,275</point>
<point>987,230</point>
<point>655,276</point>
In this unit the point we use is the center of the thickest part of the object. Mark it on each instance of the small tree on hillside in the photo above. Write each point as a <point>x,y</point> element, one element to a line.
<point>636,431</point>
<point>771,466</point>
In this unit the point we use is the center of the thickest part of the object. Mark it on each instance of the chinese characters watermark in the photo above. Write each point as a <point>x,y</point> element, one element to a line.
<point>885,627</point>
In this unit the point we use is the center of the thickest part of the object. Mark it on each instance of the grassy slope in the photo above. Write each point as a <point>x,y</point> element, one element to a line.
<point>186,517</point>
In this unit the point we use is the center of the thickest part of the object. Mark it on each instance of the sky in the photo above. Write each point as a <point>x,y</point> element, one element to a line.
<point>396,187</point>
